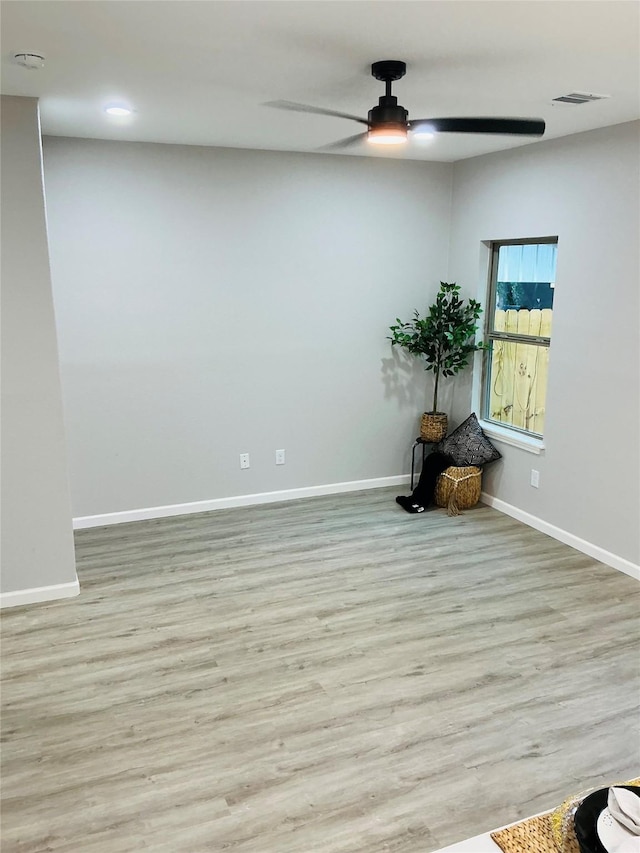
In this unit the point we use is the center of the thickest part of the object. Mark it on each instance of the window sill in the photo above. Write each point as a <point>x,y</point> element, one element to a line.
<point>513,438</point>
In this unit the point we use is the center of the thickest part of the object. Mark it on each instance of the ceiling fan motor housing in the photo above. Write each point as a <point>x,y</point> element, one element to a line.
<point>388,112</point>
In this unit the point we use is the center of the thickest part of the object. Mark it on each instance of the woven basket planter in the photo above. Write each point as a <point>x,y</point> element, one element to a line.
<point>433,426</point>
<point>458,488</point>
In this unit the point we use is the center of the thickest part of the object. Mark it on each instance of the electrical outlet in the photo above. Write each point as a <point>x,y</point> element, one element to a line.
<point>279,457</point>
<point>535,478</point>
<point>244,460</point>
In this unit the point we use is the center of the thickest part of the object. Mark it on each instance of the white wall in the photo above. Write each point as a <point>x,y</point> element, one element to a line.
<point>37,538</point>
<point>213,301</point>
<point>584,189</point>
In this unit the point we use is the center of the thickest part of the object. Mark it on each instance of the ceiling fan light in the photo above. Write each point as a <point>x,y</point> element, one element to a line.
<point>388,135</point>
<point>423,133</point>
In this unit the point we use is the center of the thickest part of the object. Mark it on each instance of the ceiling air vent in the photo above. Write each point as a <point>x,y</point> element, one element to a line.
<point>579,98</point>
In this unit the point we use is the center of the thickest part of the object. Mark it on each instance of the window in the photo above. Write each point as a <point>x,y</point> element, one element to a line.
<point>519,317</point>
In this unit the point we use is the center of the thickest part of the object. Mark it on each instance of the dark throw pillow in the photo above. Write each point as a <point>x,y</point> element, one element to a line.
<point>468,445</point>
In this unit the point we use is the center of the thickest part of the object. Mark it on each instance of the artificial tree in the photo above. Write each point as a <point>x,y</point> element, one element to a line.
<point>444,338</point>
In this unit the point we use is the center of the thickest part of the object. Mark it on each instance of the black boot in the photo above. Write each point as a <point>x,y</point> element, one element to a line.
<point>422,495</point>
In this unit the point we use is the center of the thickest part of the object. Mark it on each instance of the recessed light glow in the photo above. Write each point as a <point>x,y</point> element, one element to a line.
<point>388,135</point>
<point>117,110</point>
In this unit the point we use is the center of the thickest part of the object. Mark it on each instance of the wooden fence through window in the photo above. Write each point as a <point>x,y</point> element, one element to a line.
<point>518,388</point>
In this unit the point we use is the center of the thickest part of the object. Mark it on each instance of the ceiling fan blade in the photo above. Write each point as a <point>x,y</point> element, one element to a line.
<point>305,108</point>
<point>348,142</point>
<point>507,126</point>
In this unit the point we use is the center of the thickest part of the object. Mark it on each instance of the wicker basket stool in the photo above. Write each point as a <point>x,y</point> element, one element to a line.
<point>458,488</point>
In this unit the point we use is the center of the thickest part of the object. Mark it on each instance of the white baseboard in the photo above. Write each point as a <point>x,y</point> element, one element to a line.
<point>240,500</point>
<point>127,516</point>
<point>564,536</point>
<point>39,593</point>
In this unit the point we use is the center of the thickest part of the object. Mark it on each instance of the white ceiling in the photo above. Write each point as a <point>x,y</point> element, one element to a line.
<point>200,71</point>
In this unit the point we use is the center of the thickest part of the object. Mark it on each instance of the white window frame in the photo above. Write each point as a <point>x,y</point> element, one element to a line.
<point>513,436</point>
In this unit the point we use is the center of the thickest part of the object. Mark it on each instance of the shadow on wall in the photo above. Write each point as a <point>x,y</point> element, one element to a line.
<point>404,381</point>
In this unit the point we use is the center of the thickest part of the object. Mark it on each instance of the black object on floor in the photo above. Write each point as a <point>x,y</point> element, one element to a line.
<point>422,495</point>
<point>407,503</point>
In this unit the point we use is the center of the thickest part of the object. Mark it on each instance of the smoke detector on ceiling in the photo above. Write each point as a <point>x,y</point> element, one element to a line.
<point>577,98</point>
<point>32,61</point>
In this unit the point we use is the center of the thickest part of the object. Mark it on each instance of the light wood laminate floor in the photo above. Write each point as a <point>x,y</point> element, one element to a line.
<point>323,676</point>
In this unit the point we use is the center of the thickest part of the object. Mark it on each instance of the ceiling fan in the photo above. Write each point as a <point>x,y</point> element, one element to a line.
<point>388,123</point>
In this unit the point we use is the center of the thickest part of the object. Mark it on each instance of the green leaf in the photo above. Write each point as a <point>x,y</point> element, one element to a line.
<point>445,336</point>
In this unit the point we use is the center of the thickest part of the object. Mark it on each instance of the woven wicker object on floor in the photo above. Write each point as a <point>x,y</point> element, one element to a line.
<point>458,488</point>
<point>530,836</point>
